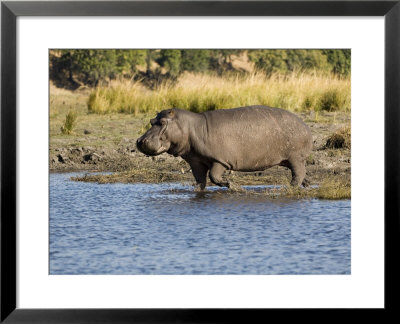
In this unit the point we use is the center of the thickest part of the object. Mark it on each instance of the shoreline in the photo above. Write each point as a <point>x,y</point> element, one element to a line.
<point>135,167</point>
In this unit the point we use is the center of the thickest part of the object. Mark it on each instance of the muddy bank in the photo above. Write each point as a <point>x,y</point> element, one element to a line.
<point>121,156</point>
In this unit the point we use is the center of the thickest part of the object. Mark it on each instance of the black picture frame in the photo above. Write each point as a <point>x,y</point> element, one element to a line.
<point>10,10</point>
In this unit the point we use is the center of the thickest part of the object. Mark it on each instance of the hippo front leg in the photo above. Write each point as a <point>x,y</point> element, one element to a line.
<point>199,171</point>
<point>216,172</point>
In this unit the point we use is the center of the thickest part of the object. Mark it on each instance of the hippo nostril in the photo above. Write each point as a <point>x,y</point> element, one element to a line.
<point>140,142</point>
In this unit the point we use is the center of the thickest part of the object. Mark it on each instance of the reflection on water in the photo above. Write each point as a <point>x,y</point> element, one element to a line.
<point>170,229</point>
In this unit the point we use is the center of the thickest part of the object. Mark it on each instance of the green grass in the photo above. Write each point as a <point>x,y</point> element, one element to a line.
<point>202,92</point>
<point>69,123</point>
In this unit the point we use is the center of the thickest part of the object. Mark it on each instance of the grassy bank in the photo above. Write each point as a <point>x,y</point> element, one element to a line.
<point>202,92</point>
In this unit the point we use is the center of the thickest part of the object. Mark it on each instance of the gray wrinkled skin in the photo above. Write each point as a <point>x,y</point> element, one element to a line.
<point>251,138</point>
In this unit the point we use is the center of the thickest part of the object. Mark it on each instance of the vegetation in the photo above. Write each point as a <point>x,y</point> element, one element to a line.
<point>143,81</point>
<point>333,187</point>
<point>286,61</point>
<point>171,60</point>
<point>91,67</point>
<point>339,139</point>
<point>69,123</point>
<point>202,92</point>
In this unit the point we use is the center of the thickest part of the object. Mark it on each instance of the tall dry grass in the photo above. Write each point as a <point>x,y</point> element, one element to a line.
<point>202,92</point>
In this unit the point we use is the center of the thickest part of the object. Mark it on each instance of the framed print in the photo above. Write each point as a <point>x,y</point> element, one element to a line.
<point>98,225</point>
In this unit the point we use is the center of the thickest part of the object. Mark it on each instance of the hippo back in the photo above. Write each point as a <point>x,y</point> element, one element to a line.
<point>254,137</point>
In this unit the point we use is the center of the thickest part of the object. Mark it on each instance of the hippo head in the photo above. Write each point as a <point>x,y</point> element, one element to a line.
<point>165,135</point>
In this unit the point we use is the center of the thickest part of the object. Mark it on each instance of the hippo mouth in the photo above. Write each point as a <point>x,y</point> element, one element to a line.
<point>161,150</point>
<point>151,147</point>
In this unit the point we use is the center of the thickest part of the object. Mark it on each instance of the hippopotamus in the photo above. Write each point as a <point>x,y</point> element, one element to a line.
<point>252,138</point>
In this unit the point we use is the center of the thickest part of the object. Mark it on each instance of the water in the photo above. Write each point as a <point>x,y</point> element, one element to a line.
<point>136,229</point>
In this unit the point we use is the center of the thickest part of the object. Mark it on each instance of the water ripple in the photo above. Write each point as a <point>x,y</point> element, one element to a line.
<point>170,229</point>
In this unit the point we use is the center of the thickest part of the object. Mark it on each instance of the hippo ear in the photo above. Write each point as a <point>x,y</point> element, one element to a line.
<point>164,123</point>
<point>171,113</point>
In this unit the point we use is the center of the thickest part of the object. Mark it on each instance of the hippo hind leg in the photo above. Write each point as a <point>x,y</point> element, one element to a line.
<point>298,168</point>
<point>305,183</point>
<point>216,172</point>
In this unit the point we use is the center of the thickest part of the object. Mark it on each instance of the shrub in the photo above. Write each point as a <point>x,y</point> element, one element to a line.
<point>339,139</point>
<point>332,100</point>
<point>69,123</point>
